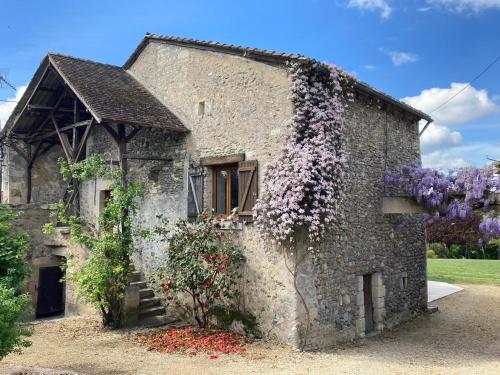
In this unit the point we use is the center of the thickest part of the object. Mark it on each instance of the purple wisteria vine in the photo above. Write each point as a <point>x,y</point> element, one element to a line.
<point>455,195</point>
<point>304,187</point>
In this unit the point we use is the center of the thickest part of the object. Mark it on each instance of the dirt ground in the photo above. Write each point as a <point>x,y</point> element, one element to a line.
<point>462,338</point>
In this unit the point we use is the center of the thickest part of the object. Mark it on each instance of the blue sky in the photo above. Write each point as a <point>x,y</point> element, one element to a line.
<point>419,50</point>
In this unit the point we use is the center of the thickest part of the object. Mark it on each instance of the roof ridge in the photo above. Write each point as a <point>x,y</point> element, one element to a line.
<point>82,59</point>
<point>278,54</point>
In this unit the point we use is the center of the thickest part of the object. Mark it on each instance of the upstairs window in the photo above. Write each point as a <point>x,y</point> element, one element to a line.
<point>225,188</point>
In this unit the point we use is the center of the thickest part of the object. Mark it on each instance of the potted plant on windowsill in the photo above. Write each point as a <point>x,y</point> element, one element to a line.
<point>230,222</point>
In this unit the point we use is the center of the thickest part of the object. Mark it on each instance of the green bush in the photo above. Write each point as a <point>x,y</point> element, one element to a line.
<point>439,249</point>
<point>12,335</point>
<point>431,254</point>
<point>13,270</point>
<point>14,246</point>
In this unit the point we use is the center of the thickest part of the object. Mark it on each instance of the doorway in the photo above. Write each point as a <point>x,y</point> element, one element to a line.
<point>368,301</point>
<point>50,292</point>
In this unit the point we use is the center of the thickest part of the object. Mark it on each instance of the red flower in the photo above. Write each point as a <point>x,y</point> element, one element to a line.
<point>221,267</point>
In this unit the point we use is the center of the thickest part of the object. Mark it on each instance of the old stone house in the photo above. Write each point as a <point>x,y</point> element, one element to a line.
<point>198,122</point>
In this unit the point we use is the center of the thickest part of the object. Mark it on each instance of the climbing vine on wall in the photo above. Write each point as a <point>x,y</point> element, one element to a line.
<point>105,273</point>
<point>304,187</point>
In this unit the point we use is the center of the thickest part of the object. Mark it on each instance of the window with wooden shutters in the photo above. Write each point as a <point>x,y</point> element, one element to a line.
<point>195,194</point>
<point>248,185</point>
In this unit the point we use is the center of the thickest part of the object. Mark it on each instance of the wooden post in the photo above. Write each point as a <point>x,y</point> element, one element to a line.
<point>76,134</point>
<point>29,169</point>
<point>122,148</point>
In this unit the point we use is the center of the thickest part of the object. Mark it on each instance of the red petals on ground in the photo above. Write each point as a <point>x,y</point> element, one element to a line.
<point>191,340</point>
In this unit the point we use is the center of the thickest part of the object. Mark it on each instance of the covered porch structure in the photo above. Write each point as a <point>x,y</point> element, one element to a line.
<point>64,101</point>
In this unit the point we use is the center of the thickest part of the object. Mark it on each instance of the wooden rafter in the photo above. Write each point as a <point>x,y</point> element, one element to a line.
<point>63,138</point>
<point>62,129</point>
<point>83,141</point>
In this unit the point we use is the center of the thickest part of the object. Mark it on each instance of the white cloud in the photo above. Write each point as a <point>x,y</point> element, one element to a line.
<point>462,156</point>
<point>400,58</point>
<point>372,5</point>
<point>460,6</point>
<point>469,105</point>
<point>424,9</point>
<point>369,67</point>
<point>6,108</point>
<point>437,137</point>
<point>442,147</point>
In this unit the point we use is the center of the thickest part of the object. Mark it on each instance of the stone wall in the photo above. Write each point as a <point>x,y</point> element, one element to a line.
<point>48,251</point>
<point>46,181</point>
<point>13,178</point>
<point>389,247</point>
<point>231,105</point>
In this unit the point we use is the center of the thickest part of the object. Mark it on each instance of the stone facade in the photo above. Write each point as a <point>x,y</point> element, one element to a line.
<point>48,251</point>
<point>236,105</point>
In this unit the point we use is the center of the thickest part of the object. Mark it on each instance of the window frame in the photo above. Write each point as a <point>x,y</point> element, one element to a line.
<point>229,167</point>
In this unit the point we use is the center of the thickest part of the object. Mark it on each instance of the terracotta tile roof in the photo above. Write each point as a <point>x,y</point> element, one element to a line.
<point>113,95</point>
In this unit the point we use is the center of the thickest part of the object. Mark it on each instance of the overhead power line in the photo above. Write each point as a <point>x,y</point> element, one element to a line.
<point>466,86</point>
<point>8,101</point>
<point>4,80</point>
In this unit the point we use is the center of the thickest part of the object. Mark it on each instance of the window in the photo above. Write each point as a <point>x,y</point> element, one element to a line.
<point>234,185</point>
<point>225,188</point>
<point>404,281</point>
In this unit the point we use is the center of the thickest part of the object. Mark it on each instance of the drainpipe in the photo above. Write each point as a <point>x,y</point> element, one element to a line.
<point>425,127</point>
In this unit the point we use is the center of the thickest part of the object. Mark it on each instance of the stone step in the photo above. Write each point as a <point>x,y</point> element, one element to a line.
<point>146,293</point>
<point>151,311</point>
<point>136,276</point>
<point>149,302</point>
<point>141,284</point>
<point>157,321</point>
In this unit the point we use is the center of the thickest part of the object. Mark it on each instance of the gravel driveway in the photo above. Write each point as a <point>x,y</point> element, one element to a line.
<point>462,338</point>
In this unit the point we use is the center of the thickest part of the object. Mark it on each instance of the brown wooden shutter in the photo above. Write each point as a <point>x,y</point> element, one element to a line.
<point>248,188</point>
<point>195,194</point>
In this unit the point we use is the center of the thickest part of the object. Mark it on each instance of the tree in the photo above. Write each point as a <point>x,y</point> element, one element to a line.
<point>14,246</point>
<point>457,232</point>
<point>106,272</point>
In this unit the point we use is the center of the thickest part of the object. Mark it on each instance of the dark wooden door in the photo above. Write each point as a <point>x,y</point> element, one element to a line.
<point>50,292</point>
<point>367,291</point>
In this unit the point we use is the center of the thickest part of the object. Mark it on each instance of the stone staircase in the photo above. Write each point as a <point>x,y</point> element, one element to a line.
<point>151,311</point>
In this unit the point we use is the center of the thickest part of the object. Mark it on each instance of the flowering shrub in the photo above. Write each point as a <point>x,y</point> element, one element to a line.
<point>190,340</point>
<point>454,195</point>
<point>303,188</point>
<point>203,262</point>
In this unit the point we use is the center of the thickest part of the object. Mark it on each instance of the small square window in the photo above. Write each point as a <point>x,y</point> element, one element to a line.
<point>404,282</point>
<point>201,108</point>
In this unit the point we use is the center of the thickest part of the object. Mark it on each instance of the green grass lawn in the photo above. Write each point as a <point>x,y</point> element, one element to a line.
<point>464,271</point>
